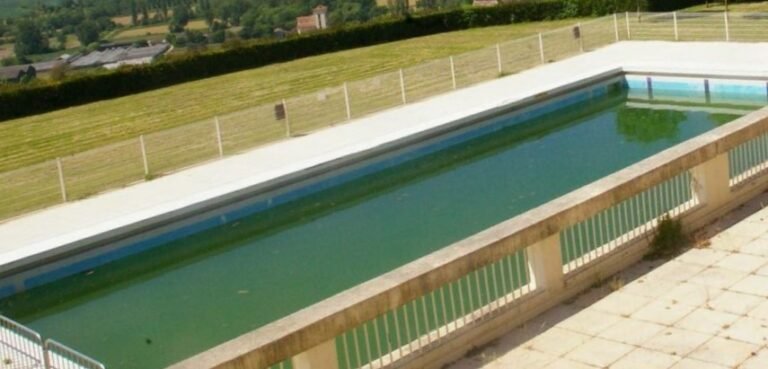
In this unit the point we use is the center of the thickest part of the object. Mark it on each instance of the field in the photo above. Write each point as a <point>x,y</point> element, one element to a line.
<point>739,7</point>
<point>43,137</point>
<point>157,29</point>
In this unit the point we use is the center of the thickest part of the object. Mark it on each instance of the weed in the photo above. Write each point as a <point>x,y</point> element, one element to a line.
<point>669,238</point>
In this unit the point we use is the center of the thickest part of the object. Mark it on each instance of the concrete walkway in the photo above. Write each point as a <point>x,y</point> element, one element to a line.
<point>49,231</point>
<point>705,309</point>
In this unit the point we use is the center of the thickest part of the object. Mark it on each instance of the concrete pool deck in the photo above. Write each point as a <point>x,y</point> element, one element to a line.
<point>705,309</point>
<point>56,230</point>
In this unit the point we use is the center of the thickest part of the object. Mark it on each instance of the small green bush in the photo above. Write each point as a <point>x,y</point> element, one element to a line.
<point>669,238</point>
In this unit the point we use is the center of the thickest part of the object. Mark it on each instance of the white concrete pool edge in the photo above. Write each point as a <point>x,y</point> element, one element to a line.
<point>38,234</point>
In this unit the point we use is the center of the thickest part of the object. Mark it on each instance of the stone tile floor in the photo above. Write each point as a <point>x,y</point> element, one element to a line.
<point>706,308</point>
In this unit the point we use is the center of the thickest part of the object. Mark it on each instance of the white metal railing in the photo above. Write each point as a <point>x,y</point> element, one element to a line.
<point>83,174</point>
<point>21,347</point>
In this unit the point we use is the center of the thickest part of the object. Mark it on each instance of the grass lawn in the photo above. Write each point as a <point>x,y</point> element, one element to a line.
<point>43,137</point>
<point>157,29</point>
<point>739,7</point>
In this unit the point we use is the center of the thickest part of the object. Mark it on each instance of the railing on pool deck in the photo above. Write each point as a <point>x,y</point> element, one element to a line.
<point>21,347</point>
<point>431,311</point>
<point>23,189</point>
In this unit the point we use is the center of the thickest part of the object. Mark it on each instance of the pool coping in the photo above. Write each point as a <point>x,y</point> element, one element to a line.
<point>27,241</point>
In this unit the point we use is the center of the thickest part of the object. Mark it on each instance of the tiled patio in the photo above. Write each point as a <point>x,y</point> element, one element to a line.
<point>706,308</point>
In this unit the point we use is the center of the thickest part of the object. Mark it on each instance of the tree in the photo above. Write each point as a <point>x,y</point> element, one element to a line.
<point>180,18</point>
<point>646,125</point>
<point>29,39</point>
<point>134,13</point>
<point>88,32</point>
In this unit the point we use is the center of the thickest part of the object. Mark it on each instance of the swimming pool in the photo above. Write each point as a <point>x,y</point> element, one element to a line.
<point>262,260</point>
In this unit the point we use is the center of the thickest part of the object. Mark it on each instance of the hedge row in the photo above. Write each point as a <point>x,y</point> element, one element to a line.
<point>22,100</point>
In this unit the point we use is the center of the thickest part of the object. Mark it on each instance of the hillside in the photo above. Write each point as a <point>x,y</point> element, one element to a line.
<point>37,138</point>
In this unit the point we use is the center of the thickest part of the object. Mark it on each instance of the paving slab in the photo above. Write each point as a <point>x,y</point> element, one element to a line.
<point>714,318</point>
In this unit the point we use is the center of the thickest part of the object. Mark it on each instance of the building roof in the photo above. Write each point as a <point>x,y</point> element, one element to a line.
<point>320,9</point>
<point>306,23</point>
<point>119,54</point>
<point>485,2</point>
<point>12,72</point>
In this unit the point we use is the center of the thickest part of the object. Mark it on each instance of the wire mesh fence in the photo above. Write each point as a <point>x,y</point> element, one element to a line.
<point>87,173</point>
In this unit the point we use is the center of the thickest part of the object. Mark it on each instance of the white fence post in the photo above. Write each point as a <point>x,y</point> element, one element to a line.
<point>727,27</point>
<point>616,26</point>
<point>218,136</point>
<point>144,155</point>
<point>287,120</point>
<point>402,86</point>
<point>541,48</point>
<point>629,32</point>
<point>674,21</point>
<point>346,101</point>
<point>581,37</point>
<point>62,185</point>
<point>498,58</point>
<point>453,73</point>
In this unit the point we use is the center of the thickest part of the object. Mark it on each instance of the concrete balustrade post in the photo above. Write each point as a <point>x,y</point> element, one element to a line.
<point>322,356</point>
<point>710,183</point>
<point>546,264</point>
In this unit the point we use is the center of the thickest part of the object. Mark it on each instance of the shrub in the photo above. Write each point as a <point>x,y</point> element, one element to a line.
<point>669,238</point>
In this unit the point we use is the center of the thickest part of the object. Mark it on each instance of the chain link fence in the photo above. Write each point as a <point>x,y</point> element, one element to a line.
<point>148,156</point>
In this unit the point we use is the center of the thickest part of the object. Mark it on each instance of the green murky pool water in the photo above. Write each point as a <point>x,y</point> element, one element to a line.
<point>156,308</point>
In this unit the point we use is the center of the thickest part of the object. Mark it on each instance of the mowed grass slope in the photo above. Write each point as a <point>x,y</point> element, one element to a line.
<point>43,137</point>
<point>738,7</point>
